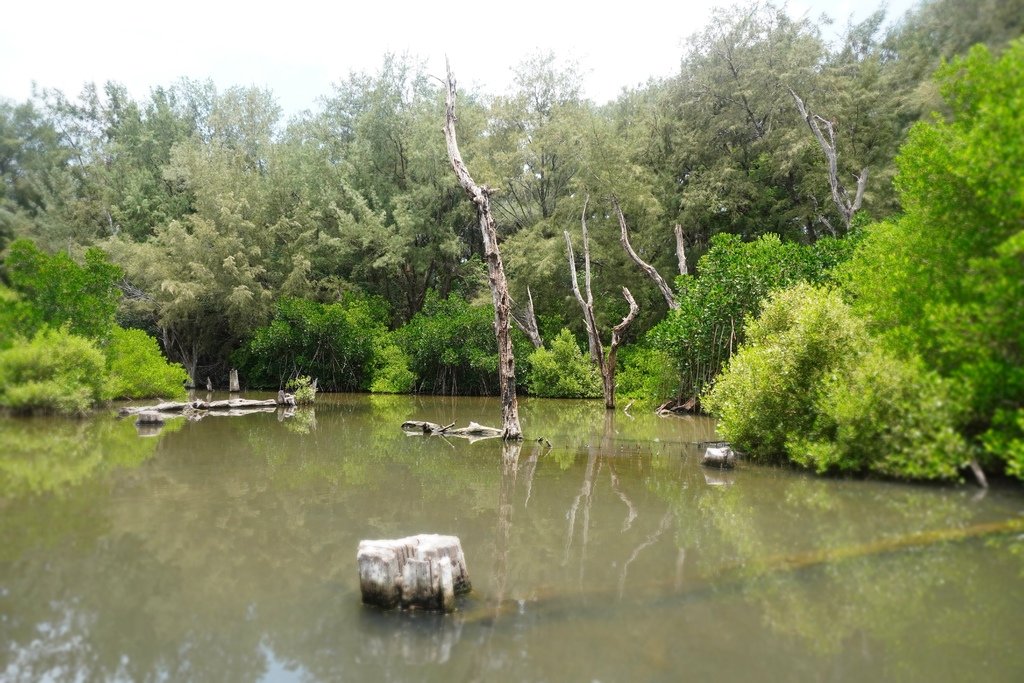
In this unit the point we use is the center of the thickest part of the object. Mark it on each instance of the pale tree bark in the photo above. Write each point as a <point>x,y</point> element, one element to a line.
<point>681,250</point>
<point>663,287</point>
<point>840,197</point>
<point>526,321</point>
<point>605,361</point>
<point>480,196</point>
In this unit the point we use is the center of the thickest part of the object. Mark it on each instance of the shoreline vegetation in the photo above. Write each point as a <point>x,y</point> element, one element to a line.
<point>820,243</point>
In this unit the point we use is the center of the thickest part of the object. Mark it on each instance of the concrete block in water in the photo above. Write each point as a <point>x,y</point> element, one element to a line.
<point>424,571</point>
<point>719,456</point>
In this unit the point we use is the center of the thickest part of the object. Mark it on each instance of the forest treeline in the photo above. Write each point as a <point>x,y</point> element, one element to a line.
<point>338,244</point>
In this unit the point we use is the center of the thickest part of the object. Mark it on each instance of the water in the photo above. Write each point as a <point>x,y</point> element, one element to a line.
<point>224,550</point>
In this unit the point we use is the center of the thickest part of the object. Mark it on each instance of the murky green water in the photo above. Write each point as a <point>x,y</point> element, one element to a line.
<point>224,550</point>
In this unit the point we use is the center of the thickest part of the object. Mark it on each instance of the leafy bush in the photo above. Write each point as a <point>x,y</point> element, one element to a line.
<point>305,390</point>
<point>333,342</point>
<point>733,278</point>
<point>884,415</point>
<point>59,291</point>
<point>646,374</point>
<point>563,372</point>
<point>54,372</point>
<point>766,396</point>
<point>451,346</point>
<point>391,373</point>
<point>137,369</point>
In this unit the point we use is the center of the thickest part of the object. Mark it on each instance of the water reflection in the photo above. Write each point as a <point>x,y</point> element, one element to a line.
<point>224,550</point>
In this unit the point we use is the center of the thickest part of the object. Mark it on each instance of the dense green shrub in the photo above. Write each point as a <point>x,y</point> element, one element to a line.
<point>137,369</point>
<point>451,347</point>
<point>391,373</point>
<point>333,342</point>
<point>55,371</point>
<point>813,385</point>
<point>564,371</point>
<point>767,394</point>
<point>884,415</point>
<point>59,291</point>
<point>945,281</point>
<point>732,280</point>
<point>646,374</point>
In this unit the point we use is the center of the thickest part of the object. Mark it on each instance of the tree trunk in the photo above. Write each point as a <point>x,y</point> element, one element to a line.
<point>840,197</point>
<point>681,250</point>
<point>526,321</point>
<point>606,364</point>
<point>663,287</point>
<point>495,272</point>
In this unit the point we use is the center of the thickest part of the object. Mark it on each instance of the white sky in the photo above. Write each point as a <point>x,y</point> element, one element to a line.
<point>298,48</point>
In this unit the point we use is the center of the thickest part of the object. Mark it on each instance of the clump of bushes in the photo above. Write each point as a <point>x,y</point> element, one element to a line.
<point>137,369</point>
<point>564,371</point>
<point>303,389</point>
<point>813,386</point>
<point>55,371</point>
<point>646,374</point>
<point>391,373</point>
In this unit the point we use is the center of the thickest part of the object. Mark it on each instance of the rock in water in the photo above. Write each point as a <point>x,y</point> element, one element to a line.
<point>719,456</point>
<point>424,572</point>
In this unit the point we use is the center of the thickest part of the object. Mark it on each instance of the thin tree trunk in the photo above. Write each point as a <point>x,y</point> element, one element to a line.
<point>681,250</point>
<point>526,321</point>
<point>840,197</point>
<point>666,291</point>
<point>605,363</point>
<point>495,272</point>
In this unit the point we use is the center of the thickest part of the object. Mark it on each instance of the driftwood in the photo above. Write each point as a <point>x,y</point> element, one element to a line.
<point>424,571</point>
<point>480,196</point>
<point>172,407</point>
<point>473,432</point>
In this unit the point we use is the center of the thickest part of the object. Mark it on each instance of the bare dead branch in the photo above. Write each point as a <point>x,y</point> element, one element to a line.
<point>666,291</point>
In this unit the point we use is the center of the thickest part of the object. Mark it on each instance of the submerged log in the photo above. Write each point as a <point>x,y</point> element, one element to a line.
<point>423,572</point>
<point>149,417</point>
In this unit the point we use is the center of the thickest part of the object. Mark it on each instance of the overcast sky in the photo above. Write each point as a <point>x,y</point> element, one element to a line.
<point>298,48</point>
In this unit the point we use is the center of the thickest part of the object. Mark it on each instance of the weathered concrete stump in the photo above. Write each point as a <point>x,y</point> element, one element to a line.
<point>722,457</point>
<point>424,572</point>
<point>233,381</point>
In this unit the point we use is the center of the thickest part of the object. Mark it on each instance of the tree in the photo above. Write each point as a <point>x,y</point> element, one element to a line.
<point>480,196</point>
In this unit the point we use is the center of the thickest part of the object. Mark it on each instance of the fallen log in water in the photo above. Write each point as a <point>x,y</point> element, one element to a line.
<point>473,431</point>
<point>424,571</point>
<point>230,404</point>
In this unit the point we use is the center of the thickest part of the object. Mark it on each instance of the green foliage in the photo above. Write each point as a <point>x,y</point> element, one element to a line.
<point>813,385</point>
<point>946,279</point>
<point>452,348</point>
<point>335,343</point>
<point>304,389</point>
<point>391,373</point>
<point>58,290</point>
<point>137,369</point>
<point>767,394</point>
<point>883,415</point>
<point>56,371</point>
<point>733,279</point>
<point>646,374</point>
<point>564,371</point>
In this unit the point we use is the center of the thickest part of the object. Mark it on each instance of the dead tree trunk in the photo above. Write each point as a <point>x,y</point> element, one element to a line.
<point>605,362</point>
<point>846,206</point>
<point>526,321</point>
<point>480,196</point>
<point>666,291</point>
<point>681,250</point>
